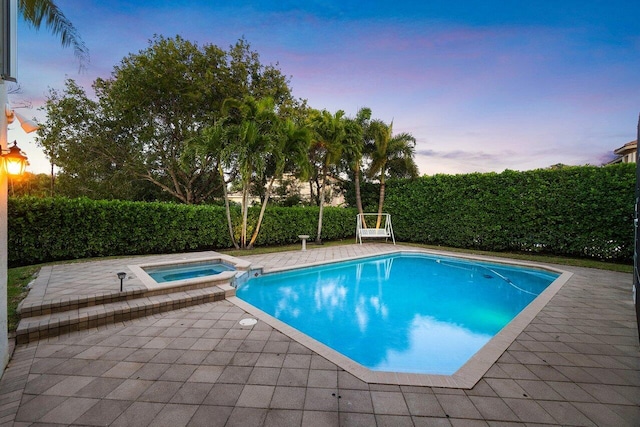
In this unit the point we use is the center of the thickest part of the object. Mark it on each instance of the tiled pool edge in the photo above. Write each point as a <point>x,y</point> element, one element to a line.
<point>467,376</point>
<point>471,372</point>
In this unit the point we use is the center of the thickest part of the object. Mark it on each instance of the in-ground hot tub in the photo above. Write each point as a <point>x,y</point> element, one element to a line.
<point>191,270</point>
<point>195,273</point>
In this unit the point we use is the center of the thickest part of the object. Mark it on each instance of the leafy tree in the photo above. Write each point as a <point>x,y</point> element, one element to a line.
<point>390,152</point>
<point>29,184</point>
<point>329,135</point>
<point>154,103</point>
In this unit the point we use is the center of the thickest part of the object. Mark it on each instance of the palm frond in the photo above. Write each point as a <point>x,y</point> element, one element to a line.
<point>35,12</point>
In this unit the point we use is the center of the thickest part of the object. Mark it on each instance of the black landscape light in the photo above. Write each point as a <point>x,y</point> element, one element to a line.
<point>121,276</point>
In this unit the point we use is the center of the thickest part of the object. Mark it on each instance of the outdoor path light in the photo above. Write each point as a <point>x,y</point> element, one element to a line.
<point>121,276</point>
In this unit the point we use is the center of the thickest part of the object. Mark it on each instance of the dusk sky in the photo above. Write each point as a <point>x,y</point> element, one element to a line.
<point>482,85</point>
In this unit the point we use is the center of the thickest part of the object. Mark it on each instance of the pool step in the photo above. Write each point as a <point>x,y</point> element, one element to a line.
<point>74,302</point>
<point>74,316</point>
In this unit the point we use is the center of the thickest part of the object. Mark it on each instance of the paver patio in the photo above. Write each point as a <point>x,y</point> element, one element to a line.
<point>577,363</point>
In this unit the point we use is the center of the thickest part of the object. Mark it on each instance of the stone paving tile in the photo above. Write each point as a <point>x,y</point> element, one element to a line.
<point>69,386</point>
<point>431,422</point>
<point>601,415</point>
<point>323,378</point>
<point>192,393</point>
<point>293,377</point>
<point>211,416</point>
<point>160,391</point>
<point>529,411</point>
<point>99,387</point>
<point>388,402</point>
<point>283,417</point>
<point>245,417</point>
<point>173,415</point>
<point>320,419</point>
<point>577,363</point>
<point>256,396</point>
<point>458,406</point>
<point>129,389</point>
<point>103,413</point>
<point>321,399</point>
<point>264,376</point>
<point>566,414</point>
<point>223,394</point>
<point>421,404</point>
<point>37,407</point>
<point>493,408</point>
<point>288,397</point>
<point>69,410</point>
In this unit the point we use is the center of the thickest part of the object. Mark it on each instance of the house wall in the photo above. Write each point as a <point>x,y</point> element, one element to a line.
<point>4,335</point>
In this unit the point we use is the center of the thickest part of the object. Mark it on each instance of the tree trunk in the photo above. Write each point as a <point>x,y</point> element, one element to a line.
<point>245,216</point>
<point>264,207</point>
<point>381,200</point>
<point>358,195</point>
<point>52,179</point>
<point>226,206</point>
<point>321,194</point>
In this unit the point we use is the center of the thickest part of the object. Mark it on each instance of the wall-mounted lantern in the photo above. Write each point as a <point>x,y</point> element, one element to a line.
<point>14,162</point>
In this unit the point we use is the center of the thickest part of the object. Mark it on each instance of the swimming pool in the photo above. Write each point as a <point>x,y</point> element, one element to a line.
<point>406,312</point>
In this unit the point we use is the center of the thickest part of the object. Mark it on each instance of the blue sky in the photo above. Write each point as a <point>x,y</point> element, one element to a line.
<point>482,85</point>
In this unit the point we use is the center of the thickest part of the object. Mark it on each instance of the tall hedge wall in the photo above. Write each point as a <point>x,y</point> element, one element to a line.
<point>574,211</point>
<point>52,229</point>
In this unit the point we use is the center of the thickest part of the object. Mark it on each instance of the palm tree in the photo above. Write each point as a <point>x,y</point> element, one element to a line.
<point>212,142</point>
<point>35,11</point>
<point>327,145</point>
<point>289,149</point>
<point>357,133</point>
<point>389,150</point>
<point>251,135</point>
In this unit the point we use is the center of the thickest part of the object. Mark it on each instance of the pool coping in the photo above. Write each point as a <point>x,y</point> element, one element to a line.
<point>468,375</point>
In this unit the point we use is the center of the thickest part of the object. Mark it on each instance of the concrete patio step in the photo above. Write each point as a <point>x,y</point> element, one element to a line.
<point>74,316</point>
<point>74,302</point>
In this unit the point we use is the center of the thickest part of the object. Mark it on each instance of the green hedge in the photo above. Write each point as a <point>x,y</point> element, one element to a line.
<point>573,211</point>
<point>581,211</point>
<point>52,229</point>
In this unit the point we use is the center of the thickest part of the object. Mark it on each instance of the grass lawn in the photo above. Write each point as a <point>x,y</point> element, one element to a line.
<point>17,280</point>
<point>19,277</point>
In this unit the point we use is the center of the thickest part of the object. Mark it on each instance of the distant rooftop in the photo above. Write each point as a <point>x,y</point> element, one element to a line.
<point>626,154</point>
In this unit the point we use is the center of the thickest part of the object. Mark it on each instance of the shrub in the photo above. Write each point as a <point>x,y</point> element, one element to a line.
<point>52,229</point>
<point>583,211</point>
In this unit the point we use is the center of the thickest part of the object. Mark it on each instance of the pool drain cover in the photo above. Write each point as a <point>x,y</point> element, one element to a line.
<point>248,322</point>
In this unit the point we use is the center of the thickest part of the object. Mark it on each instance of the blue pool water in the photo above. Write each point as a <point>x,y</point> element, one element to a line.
<point>404,312</point>
<point>170,273</point>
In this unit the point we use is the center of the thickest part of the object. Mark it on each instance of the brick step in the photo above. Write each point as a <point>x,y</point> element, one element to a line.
<point>74,302</point>
<point>53,324</point>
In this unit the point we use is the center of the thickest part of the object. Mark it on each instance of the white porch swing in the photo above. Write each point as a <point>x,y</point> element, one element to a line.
<point>385,230</point>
